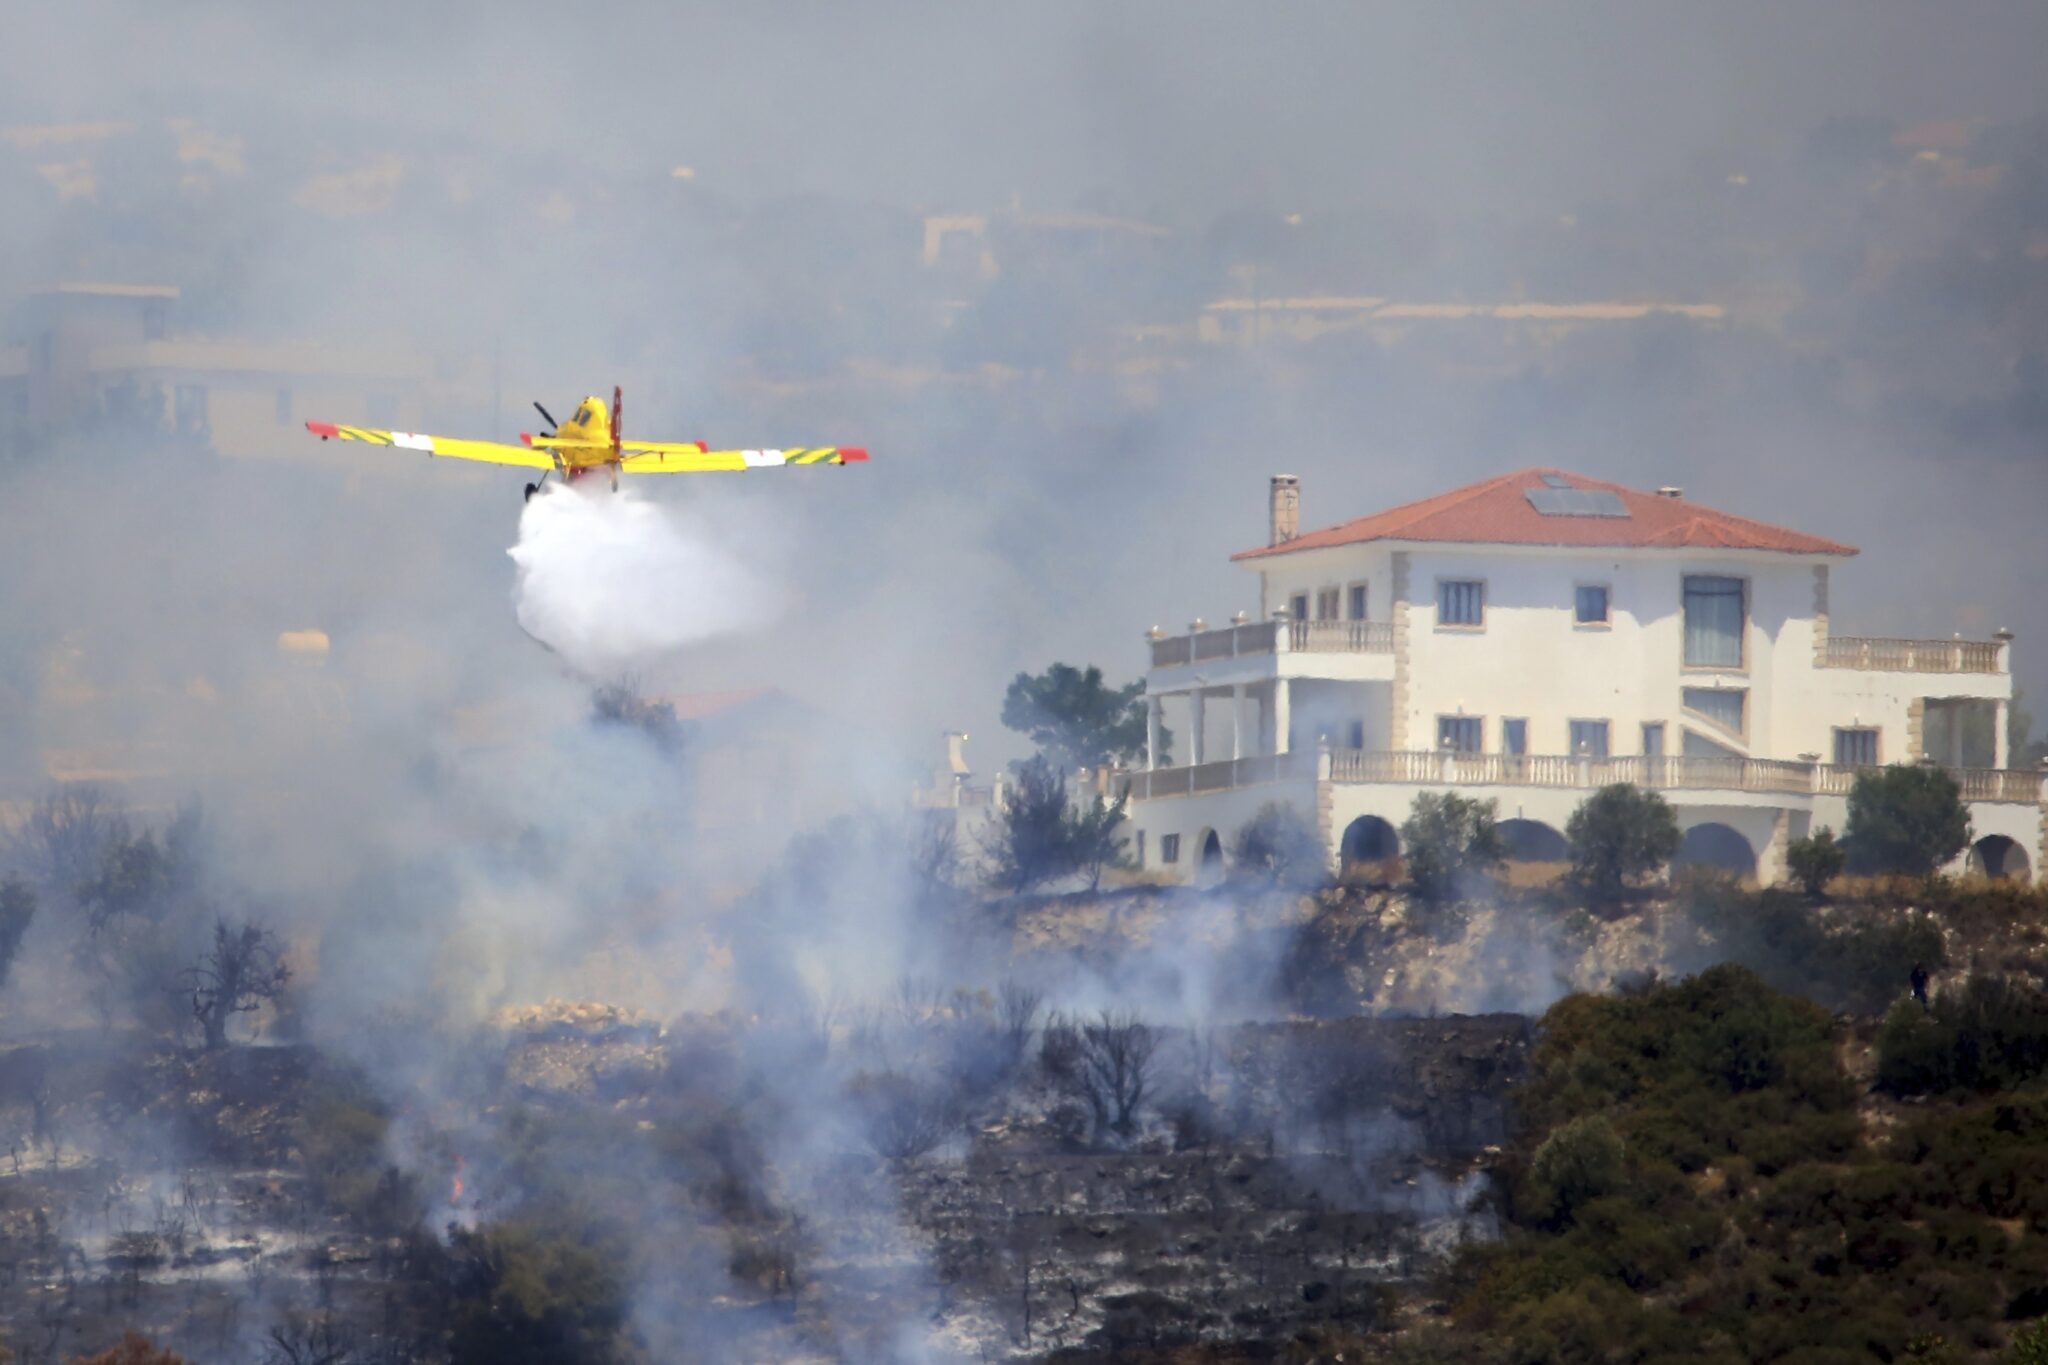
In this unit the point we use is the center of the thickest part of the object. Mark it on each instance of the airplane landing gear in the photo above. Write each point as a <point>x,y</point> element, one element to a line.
<point>531,489</point>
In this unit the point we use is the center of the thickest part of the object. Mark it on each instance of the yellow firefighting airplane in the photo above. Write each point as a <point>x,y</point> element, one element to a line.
<point>590,441</point>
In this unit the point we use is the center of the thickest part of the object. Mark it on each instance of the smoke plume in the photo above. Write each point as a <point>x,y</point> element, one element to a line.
<point>611,580</point>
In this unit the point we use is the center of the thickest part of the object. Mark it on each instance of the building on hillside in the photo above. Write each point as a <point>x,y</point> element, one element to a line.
<point>83,353</point>
<point>1538,635</point>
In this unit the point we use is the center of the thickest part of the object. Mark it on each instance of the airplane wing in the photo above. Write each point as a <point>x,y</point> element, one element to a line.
<point>688,457</point>
<point>447,447</point>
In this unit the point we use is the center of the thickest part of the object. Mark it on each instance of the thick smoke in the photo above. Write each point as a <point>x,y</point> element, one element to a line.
<point>611,581</point>
<point>431,817</point>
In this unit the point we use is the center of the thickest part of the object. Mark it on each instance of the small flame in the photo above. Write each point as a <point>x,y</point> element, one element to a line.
<point>455,1189</point>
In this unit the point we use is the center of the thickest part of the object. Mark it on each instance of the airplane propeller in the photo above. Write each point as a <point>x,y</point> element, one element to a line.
<point>548,417</point>
<point>617,395</point>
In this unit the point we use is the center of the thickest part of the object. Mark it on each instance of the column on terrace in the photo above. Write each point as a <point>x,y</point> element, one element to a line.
<point>1197,716</point>
<point>1236,721</point>
<point>1283,705</point>
<point>2001,755</point>
<point>1152,704</point>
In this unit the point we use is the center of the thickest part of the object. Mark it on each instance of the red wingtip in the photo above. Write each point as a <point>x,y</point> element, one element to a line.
<point>323,429</point>
<point>526,438</point>
<point>852,454</point>
<point>703,447</point>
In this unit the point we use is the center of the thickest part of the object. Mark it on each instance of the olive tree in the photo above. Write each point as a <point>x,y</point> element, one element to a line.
<point>1451,841</point>
<point>1619,834</point>
<point>1903,819</point>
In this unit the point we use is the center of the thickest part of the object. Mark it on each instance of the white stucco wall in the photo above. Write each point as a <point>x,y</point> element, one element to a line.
<point>1532,661</point>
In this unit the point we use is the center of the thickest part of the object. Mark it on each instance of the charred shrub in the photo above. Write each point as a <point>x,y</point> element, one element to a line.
<point>17,908</point>
<point>904,1117</point>
<point>1105,1063</point>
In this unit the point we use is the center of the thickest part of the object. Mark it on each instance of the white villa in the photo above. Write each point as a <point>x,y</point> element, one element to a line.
<point>1535,636</point>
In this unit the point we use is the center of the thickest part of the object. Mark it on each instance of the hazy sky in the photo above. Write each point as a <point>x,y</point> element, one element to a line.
<point>1057,518</point>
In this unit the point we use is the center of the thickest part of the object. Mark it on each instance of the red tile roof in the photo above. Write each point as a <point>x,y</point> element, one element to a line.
<point>1495,512</point>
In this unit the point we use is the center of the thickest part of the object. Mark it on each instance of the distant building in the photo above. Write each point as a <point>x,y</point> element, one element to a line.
<point>1246,320</point>
<point>81,353</point>
<point>1537,635</point>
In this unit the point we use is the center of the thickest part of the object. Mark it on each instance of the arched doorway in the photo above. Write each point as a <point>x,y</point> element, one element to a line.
<point>1717,846</point>
<point>2001,859</point>
<point>1532,841</point>
<point>1368,840</point>
<point>1209,864</point>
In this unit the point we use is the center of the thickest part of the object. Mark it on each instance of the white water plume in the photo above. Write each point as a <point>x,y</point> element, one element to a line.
<point>608,580</point>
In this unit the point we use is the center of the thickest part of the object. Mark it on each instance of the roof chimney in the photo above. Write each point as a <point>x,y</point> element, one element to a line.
<point>1284,519</point>
<point>1668,491</point>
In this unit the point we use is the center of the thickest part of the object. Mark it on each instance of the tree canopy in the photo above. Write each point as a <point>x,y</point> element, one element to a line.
<point>1903,819</point>
<point>1076,719</point>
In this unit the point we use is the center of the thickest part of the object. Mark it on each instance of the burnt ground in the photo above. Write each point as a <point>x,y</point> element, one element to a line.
<point>1287,1173</point>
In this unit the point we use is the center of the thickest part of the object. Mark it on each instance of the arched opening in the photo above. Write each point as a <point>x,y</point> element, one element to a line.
<point>1532,841</point>
<point>1209,867</point>
<point>1999,858</point>
<point>1716,846</point>
<point>1368,840</point>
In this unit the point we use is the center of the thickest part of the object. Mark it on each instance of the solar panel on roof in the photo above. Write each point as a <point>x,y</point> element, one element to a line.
<point>1555,481</point>
<point>1576,502</point>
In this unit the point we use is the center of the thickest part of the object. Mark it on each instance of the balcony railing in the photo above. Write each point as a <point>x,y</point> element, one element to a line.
<point>1268,637</point>
<point>1222,776</point>
<point>1673,773</point>
<point>1913,656</point>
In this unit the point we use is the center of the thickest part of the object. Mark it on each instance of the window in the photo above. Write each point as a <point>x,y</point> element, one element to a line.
<point>1589,738</point>
<point>1357,602</point>
<point>1698,745</point>
<point>1463,734</point>
<point>1327,600</point>
<point>1591,607</point>
<point>1653,739</point>
<point>1856,747</point>
<point>284,407</point>
<point>1722,706</point>
<point>1514,736</point>
<point>1141,847</point>
<point>1460,603</point>
<point>1169,848</point>
<point>1297,607</point>
<point>1357,734</point>
<point>1713,622</point>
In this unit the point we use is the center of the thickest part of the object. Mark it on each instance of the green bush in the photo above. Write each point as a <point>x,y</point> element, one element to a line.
<point>1581,1162</point>
<point>1908,820</point>
<point>1281,846</point>
<point>1816,860</point>
<point>2029,1346</point>
<point>544,1290</point>
<point>1854,961</point>
<point>1988,1033</point>
<point>1618,834</point>
<point>1449,843</point>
